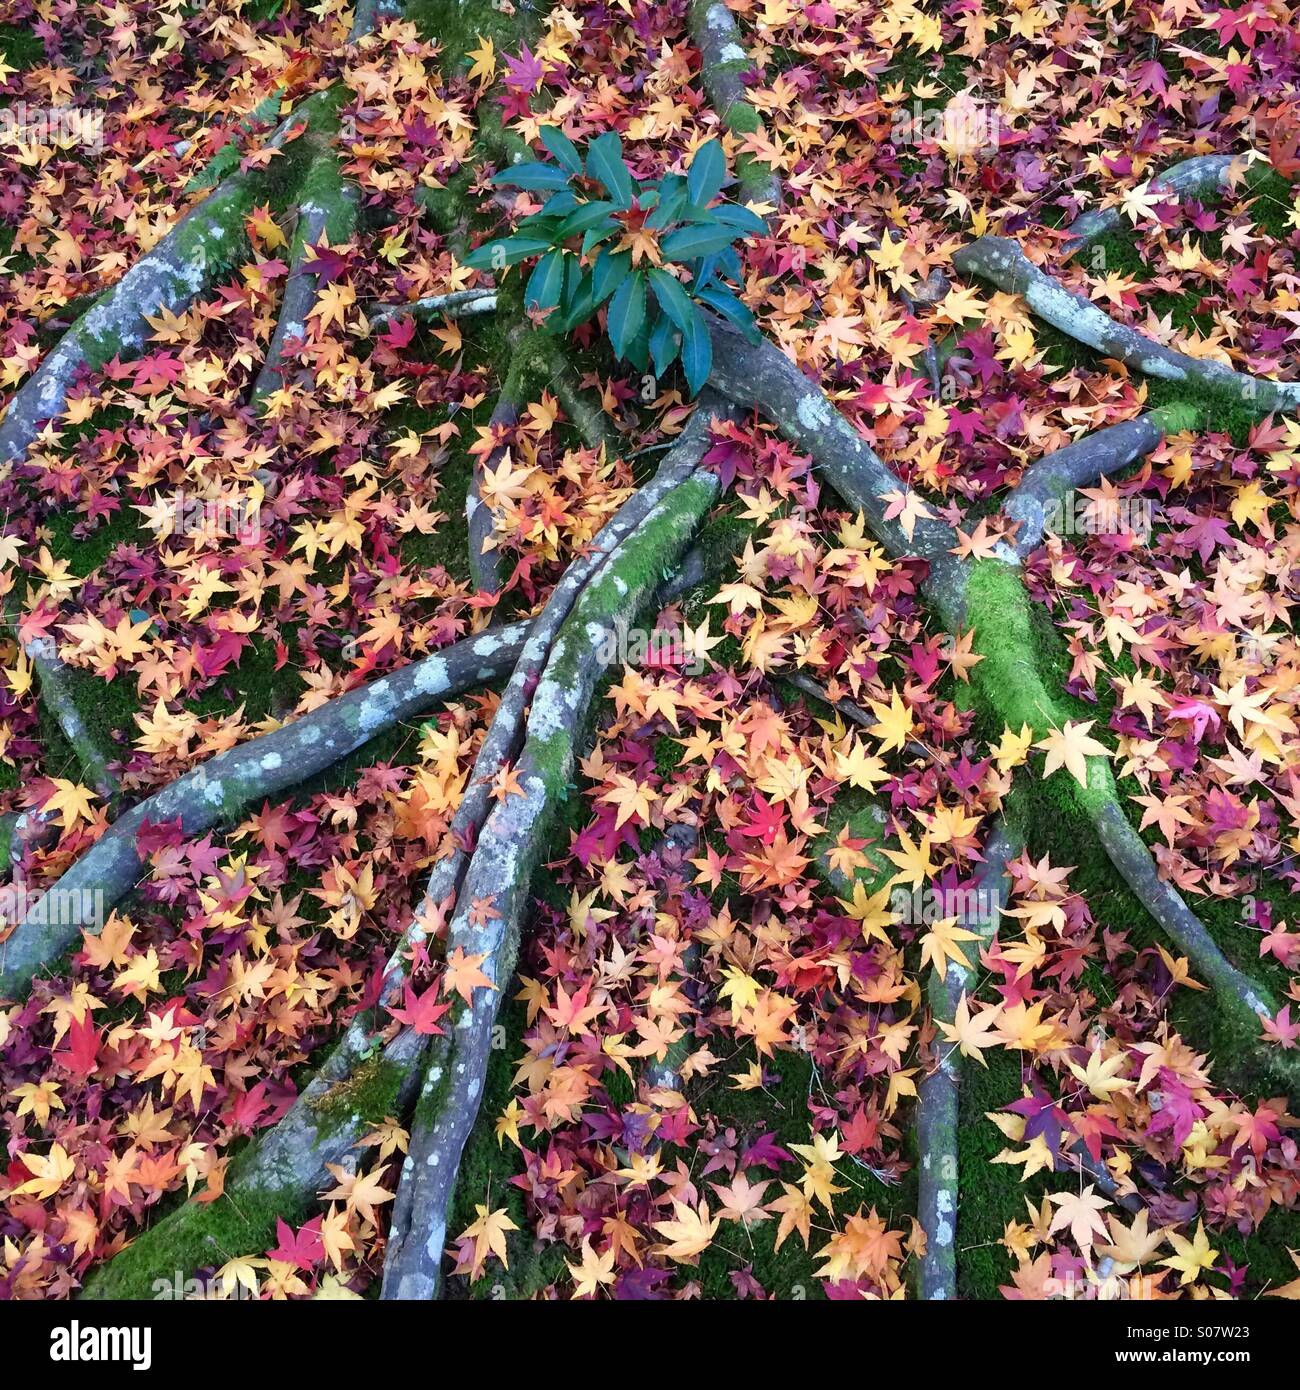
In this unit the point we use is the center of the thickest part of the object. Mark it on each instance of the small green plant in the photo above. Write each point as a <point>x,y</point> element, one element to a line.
<point>602,236</point>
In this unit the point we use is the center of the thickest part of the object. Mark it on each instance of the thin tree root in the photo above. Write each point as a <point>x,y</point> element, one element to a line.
<point>1046,483</point>
<point>327,208</point>
<point>219,789</point>
<point>937,1094</point>
<point>1002,263</point>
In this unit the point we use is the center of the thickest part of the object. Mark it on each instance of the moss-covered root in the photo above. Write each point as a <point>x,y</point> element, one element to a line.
<point>1239,994</point>
<point>1044,484</point>
<point>221,788</point>
<point>506,734</point>
<point>1010,685</point>
<point>54,682</point>
<point>1002,263</point>
<point>327,210</point>
<point>206,242</point>
<point>936,1108</point>
<point>494,895</point>
<point>580,405</point>
<point>1200,177</point>
<point>723,64</point>
<point>278,1176</point>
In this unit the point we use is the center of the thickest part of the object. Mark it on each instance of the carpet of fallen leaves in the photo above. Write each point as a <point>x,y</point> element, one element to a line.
<point>687,911</point>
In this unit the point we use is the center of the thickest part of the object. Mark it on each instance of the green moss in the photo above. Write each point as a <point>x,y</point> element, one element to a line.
<point>459,27</point>
<point>106,709</point>
<point>198,1236</point>
<point>866,821</point>
<point>325,186</point>
<point>989,1194</point>
<point>1274,199</point>
<point>1009,680</point>
<point>20,47</point>
<point>370,1094</point>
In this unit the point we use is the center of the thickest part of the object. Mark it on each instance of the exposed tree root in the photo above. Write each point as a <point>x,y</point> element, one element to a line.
<point>1081,464</point>
<point>1200,177</point>
<point>327,210</point>
<point>724,62</point>
<point>221,788</point>
<point>207,241</point>
<point>987,596</point>
<point>1002,263</point>
<point>763,378</point>
<point>492,897</point>
<point>937,1095</point>
<point>54,679</point>
<point>361,1083</point>
<point>458,304</point>
<point>279,1174</point>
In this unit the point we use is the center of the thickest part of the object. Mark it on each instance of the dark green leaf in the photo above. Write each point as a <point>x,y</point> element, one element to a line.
<point>627,312</point>
<point>673,299</point>
<point>669,211</point>
<point>608,274</point>
<point>664,342</point>
<point>742,218</point>
<point>707,171</point>
<point>697,354</point>
<point>605,162</point>
<point>546,282</point>
<point>562,148</point>
<point>498,255</point>
<point>725,303</point>
<point>579,307</point>
<point>532,176</point>
<point>586,217</point>
<point>698,239</point>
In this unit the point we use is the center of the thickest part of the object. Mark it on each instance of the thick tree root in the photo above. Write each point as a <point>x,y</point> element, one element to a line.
<point>207,241</point>
<point>54,678</point>
<point>1012,687</point>
<point>765,379</point>
<point>1002,263</point>
<point>724,62</point>
<point>1100,454</point>
<point>327,209</point>
<point>537,364</point>
<point>218,790</point>
<point>988,596</point>
<point>359,1084</point>
<point>1200,177</point>
<point>278,1176</point>
<point>494,896</point>
<point>937,1095</point>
